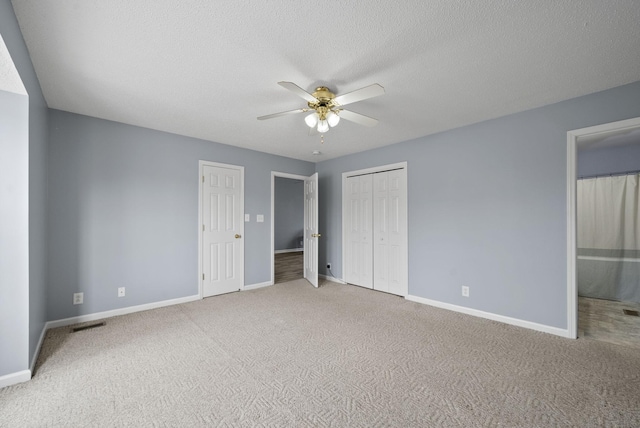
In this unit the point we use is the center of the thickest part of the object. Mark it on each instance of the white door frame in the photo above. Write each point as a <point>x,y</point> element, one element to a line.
<point>201,165</point>
<point>345,175</point>
<point>572,176</point>
<point>275,174</point>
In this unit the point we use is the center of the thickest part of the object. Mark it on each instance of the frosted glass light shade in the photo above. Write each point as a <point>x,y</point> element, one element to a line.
<point>323,126</point>
<point>311,120</point>
<point>333,119</point>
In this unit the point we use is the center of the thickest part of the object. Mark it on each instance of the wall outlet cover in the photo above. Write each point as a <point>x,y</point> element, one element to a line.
<point>120,291</point>
<point>78,298</point>
<point>465,291</point>
<point>260,218</point>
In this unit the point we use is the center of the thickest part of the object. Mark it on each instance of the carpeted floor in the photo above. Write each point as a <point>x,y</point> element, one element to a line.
<point>338,356</point>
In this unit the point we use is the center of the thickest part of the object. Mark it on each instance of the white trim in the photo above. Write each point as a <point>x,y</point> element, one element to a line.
<point>34,360</point>
<point>117,312</point>
<point>292,250</point>
<point>572,176</point>
<point>610,259</point>
<point>201,165</point>
<point>572,289</point>
<point>331,278</point>
<point>381,168</point>
<point>15,378</point>
<point>275,174</point>
<point>494,317</point>
<point>257,285</point>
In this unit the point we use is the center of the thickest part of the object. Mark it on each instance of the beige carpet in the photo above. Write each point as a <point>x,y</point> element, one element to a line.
<point>339,356</point>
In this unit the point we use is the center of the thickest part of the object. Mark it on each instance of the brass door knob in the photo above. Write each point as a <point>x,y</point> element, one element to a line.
<point>316,235</point>
<point>238,236</point>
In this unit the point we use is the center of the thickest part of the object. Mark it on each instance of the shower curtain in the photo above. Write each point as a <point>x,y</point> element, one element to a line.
<point>608,221</point>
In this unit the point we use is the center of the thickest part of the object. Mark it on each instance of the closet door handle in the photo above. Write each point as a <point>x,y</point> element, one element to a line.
<point>238,236</point>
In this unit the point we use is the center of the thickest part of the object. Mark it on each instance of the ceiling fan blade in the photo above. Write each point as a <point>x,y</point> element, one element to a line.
<point>298,91</point>
<point>359,94</point>
<point>284,113</point>
<point>358,118</point>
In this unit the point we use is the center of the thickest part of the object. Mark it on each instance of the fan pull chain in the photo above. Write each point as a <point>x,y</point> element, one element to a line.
<point>321,138</point>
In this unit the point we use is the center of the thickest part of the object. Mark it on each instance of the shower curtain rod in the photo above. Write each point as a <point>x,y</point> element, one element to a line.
<point>613,174</point>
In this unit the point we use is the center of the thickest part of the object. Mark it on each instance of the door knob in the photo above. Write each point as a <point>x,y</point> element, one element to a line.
<point>238,236</point>
<point>316,235</point>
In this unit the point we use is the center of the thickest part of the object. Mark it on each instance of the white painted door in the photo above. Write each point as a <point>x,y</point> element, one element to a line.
<point>311,234</point>
<point>359,231</point>
<point>222,229</point>
<point>390,232</point>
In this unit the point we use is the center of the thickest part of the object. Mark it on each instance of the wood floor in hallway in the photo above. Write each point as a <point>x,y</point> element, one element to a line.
<point>605,320</point>
<point>289,266</point>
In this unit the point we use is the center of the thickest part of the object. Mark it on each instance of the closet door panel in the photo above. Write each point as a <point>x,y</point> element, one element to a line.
<point>380,231</point>
<point>359,231</point>
<point>390,232</point>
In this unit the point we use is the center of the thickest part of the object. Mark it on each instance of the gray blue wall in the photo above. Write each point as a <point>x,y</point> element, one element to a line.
<point>123,212</point>
<point>487,207</point>
<point>37,176</point>
<point>608,161</point>
<point>288,212</point>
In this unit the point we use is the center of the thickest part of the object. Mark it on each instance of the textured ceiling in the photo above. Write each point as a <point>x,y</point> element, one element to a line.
<point>207,69</point>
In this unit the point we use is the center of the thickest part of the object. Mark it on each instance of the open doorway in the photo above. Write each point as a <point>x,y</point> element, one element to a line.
<point>288,229</point>
<point>297,199</point>
<point>604,247</point>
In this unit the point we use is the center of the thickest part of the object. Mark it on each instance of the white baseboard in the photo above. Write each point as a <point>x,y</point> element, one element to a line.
<point>15,378</point>
<point>331,278</point>
<point>118,312</point>
<point>38,346</point>
<point>291,250</point>
<point>258,285</point>
<point>488,315</point>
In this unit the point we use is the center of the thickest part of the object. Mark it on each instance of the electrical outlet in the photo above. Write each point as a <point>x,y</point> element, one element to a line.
<point>78,298</point>
<point>328,265</point>
<point>120,291</point>
<point>465,291</point>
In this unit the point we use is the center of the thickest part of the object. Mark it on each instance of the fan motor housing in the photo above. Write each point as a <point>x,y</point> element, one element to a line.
<point>325,101</point>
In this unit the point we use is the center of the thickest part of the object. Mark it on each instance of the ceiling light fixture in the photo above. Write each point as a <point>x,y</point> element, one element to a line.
<point>327,109</point>
<point>326,112</point>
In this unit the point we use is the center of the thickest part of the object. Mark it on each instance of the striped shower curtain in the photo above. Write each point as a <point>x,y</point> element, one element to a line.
<point>608,220</point>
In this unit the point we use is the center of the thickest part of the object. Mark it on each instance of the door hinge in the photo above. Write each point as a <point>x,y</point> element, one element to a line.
<point>203,277</point>
<point>203,227</point>
<point>203,178</point>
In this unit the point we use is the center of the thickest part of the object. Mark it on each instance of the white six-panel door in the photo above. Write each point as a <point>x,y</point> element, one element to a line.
<point>311,234</point>
<point>375,230</point>
<point>222,228</point>
<point>359,270</point>
<point>389,231</point>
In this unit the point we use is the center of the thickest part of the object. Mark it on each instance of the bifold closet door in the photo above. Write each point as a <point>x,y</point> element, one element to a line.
<point>390,232</point>
<point>359,231</point>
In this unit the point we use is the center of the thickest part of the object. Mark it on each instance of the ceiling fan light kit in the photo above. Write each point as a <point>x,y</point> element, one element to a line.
<point>327,107</point>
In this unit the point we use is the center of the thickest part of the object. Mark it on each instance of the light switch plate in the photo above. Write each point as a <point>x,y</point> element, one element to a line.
<point>247,217</point>
<point>260,218</point>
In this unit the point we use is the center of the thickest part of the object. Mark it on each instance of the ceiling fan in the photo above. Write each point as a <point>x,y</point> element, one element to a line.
<point>326,107</point>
